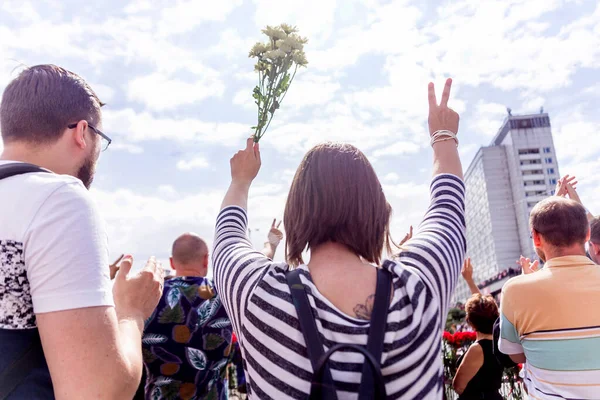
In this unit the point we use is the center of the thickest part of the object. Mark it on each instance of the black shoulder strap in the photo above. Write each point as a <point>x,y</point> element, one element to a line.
<point>12,169</point>
<point>372,385</point>
<point>314,346</point>
<point>376,333</point>
<point>33,355</point>
<point>14,374</point>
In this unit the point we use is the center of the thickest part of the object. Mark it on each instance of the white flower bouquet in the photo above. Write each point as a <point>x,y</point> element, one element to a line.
<point>278,61</point>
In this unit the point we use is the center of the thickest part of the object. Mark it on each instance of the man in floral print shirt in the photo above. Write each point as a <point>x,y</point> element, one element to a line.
<point>187,340</point>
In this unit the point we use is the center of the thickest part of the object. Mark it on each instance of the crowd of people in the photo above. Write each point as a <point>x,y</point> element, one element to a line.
<point>345,323</point>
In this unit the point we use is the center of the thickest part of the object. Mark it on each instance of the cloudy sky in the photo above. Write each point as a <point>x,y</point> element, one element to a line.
<point>177,83</point>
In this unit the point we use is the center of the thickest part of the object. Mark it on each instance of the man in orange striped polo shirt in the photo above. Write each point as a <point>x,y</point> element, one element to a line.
<point>551,319</point>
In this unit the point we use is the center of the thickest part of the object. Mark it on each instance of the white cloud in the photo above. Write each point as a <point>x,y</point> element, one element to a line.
<point>391,177</point>
<point>128,147</point>
<point>310,90</point>
<point>137,6</point>
<point>104,92</point>
<point>194,163</point>
<point>574,137</point>
<point>167,190</point>
<point>139,127</point>
<point>161,217</point>
<point>398,149</point>
<point>314,18</point>
<point>186,15</point>
<point>159,92</point>
<point>233,46</point>
<point>487,119</point>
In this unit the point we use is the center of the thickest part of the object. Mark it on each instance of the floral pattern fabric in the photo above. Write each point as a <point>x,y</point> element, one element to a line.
<point>187,342</point>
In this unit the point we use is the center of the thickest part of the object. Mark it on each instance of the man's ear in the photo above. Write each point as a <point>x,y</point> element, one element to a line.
<point>537,238</point>
<point>594,248</point>
<point>78,134</point>
<point>172,264</point>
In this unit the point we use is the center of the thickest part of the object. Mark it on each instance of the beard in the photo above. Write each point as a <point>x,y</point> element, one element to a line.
<point>540,254</point>
<point>87,170</point>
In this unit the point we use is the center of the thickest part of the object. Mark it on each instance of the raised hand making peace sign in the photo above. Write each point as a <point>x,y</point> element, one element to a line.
<point>441,117</point>
<point>443,127</point>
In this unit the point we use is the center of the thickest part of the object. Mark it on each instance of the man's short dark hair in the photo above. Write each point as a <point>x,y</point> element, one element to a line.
<point>561,222</point>
<point>38,105</point>
<point>595,231</point>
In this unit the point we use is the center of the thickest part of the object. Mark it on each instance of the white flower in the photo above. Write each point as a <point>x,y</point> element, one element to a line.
<point>300,58</point>
<point>274,54</point>
<point>257,50</point>
<point>283,46</point>
<point>288,28</point>
<point>295,42</point>
<point>274,33</point>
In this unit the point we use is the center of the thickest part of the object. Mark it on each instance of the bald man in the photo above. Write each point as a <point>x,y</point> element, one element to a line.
<point>189,256</point>
<point>186,341</point>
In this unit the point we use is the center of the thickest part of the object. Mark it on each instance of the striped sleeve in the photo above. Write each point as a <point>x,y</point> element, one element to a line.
<point>237,266</point>
<point>437,250</point>
<point>510,340</point>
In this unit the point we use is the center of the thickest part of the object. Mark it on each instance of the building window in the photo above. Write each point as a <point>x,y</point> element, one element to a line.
<point>531,205</point>
<point>532,172</point>
<point>548,160</point>
<point>550,171</point>
<point>529,151</point>
<point>547,150</point>
<point>552,182</point>
<point>531,162</point>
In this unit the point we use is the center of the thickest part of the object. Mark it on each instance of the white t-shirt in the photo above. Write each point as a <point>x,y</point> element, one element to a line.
<point>53,248</point>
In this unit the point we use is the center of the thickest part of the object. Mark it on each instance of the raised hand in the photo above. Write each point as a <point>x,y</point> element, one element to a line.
<point>408,236</point>
<point>527,266</point>
<point>467,270</point>
<point>245,164</point>
<point>114,267</point>
<point>275,235</point>
<point>441,117</point>
<point>562,187</point>
<point>136,296</point>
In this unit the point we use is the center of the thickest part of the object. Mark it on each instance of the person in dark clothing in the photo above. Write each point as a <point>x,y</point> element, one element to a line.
<point>479,374</point>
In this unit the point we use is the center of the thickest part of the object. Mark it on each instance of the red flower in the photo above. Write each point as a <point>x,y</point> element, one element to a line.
<point>447,336</point>
<point>233,338</point>
<point>520,366</point>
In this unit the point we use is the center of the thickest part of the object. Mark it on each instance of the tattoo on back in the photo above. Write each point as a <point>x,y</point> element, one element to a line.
<point>363,311</point>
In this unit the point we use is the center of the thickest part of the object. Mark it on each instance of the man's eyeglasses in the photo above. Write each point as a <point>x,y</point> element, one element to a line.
<point>106,141</point>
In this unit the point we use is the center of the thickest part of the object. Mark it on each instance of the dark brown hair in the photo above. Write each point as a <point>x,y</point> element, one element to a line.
<point>561,222</point>
<point>595,231</point>
<point>337,197</point>
<point>38,104</point>
<point>482,312</point>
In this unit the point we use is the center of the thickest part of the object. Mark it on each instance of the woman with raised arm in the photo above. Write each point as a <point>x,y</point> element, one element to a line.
<point>479,374</point>
<point>336,209</point>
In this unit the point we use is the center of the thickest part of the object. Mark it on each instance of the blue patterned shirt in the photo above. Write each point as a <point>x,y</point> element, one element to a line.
<point>187,342</point>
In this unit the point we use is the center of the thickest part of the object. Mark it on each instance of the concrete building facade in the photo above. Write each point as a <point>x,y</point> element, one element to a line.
<point>504,182</point>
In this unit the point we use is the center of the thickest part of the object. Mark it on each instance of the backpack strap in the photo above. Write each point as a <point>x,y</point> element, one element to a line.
<point>372,384</point>
<point>376,334</point>
<point>12,169</point>
<point>18,370</point>
<point>314,346</point>
<point>33,356</point>
<point>379,385</point>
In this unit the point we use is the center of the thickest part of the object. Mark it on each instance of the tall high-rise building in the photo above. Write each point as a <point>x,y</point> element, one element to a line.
<point>504,182</point>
